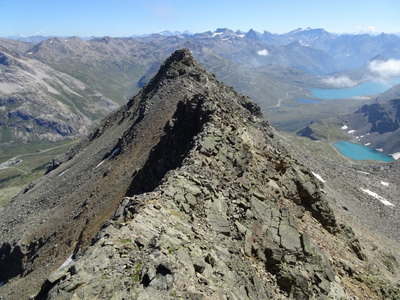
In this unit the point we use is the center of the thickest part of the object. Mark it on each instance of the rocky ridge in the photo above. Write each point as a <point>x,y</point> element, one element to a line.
<point>365,197</point>
<point>40,103</point>
<point>205,203</point>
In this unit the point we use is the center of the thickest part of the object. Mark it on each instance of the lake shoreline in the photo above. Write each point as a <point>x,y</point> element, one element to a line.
<point>363,89</point>
<point>356,151</point>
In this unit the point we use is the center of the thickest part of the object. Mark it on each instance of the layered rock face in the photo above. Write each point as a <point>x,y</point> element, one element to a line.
<point>185,192</point>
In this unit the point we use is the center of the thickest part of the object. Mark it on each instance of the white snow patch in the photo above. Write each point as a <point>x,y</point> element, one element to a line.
<point>351,131</point>
<point>51,42</point>
<point>318,177</point>
<point>362,172</point>
<point>30,53</point>
<point>367,144</point>
<point>241,35</point>
<point>344,127</point>
<point>67,262</point>
<point>376,196</point>
<point>379,149</point>
<point>396,155</point>
<point>216,33</point>
<point>62,173</point>
<point>102,162</point>
<point>385,183</point>
<point>263,52</point>
<point>305,45</point>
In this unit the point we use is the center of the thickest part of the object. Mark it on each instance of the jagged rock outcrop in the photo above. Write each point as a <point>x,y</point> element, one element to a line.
<point>185,192</point>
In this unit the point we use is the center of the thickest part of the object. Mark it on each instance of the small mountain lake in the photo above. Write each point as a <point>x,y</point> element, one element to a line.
<point>361,152</point>
<point>366,88</point>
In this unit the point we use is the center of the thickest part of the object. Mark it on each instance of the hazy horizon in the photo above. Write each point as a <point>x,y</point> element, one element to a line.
<point>121,18</point>
<point>186,32</point>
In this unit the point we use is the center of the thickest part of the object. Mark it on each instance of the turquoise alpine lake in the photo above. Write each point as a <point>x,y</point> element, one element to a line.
<point>361,152</point>
<point>366,88</point>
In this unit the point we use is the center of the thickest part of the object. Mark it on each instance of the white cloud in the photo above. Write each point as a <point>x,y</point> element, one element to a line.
<point>263,52</point>
<point>367,29</point>
<point>340,82</point>
<point>387,68</point>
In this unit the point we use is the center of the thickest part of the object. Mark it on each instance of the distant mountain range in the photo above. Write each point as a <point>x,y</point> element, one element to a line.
<point>84,79</point>
<point>348,50</point>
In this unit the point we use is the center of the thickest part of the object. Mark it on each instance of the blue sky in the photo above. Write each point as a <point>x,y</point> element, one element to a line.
<point>130,17</point>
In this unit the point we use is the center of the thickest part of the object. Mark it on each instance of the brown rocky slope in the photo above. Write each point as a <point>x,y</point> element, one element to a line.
<point>39,103</point>
<point>185,192</point>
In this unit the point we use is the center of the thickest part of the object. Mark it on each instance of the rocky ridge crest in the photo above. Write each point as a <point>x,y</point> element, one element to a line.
<point>185,192</point>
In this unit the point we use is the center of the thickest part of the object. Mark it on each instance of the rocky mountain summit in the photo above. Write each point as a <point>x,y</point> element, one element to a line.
<point>186,192</point>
